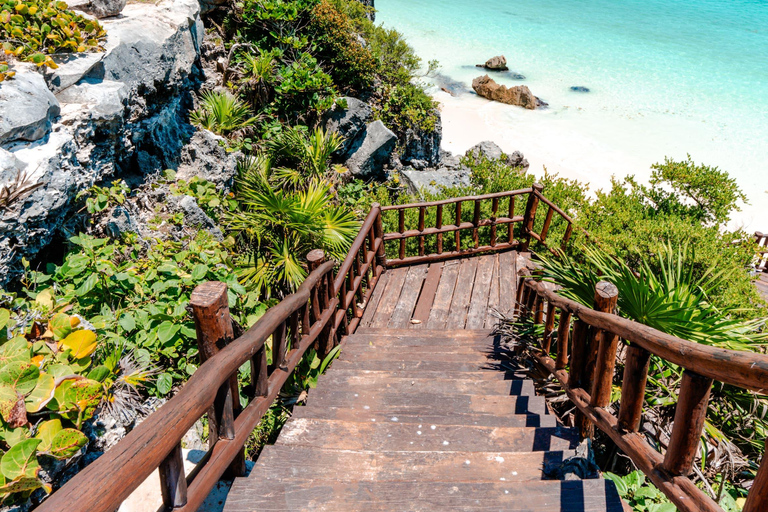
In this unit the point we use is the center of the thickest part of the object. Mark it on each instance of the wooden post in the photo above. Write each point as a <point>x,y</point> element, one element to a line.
<point>538,308</point>
<point>457,234</point>
<point>521,290</point>
<point>547,223</point>
<point>633,388</point>
<point>475,223</point>
<point>320,299</point>
<point>606,296</point>
<point>439,225</point>
<point>563,330</point>
<point>494,216</point>
<point>549,326</point>
<point>511,225</point>
<point>378,232</point>
<point>579,343</point>
<point>401,228</point>
<point>173,481</point>
<point>567,236</point>
<point>757,500</point>
<point>530,216</point>
<point>422,214</point>
<point>210,309</point>
<point>690,414</point>
<point>260,373</point>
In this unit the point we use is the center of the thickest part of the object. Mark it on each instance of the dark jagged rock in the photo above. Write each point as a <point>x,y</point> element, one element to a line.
<point>579,88</point>
<point>349,122</point>
<point>491,151</point>
<point>519,95</point>
<point>371,151</point>
<point>497,63</point>
<point>100,8</point>
<point>423,145</point>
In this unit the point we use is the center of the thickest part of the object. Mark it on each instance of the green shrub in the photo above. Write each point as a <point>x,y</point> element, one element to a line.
<point>222,113</point>
<point>33,30</point>
<point>407,106</point>
<point>303,90</point>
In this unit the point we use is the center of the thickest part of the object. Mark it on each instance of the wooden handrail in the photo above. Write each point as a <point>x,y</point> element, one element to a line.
<point>589,381</point>
<point>762,243</point>
<point>321,308</point>
<point>527,233</point>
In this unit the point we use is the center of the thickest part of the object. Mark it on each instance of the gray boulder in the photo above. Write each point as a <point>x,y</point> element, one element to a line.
<point>72,68</point>
<point>423,145</point>
<point>207,159</point>
<point>101,8</point>
<point>348,122</point>
<point>433,180</point>
<point>491,151</point>
<point>371,151</point>
<point>194,216</point>
<point>120,222</point>
<point>27,107</point>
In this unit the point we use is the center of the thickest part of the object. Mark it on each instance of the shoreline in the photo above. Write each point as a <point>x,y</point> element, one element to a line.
<point>590,155</point>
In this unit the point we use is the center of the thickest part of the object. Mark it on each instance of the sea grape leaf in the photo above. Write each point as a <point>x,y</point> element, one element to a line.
<point>67,443</point>
<point>46,432</point>
<point>166,331</point>
<point>21,460</point>
<point>23,484</point>
<point>18,415</point>
<point>82,343</point>
<point>14,436</point>
<point>164,383</point>
<point>83,395</point>
<point>20,376</point>
<point>60,326</point>
<point>127,322</point>
<point>5,316</point>
<point>14,350</point>
<point>42,394</point>
<point>45,298</point>
<point>100,373</point>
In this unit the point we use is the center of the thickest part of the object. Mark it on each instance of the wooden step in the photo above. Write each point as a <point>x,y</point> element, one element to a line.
<point>346,371</point>
<point>251,495</point>
<point>384,382</point>
<point>418,341</point>
<point>445,333</point>
<point>397,364</point>
<point>449,355</point>
<point>288,463</point>
<point>442,418</point>
<point>446,404</point>
<point>397,436</point>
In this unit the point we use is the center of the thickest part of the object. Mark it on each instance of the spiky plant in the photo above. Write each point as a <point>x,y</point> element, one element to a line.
<point>300,155</point>
<point>222,113</point>
<point>280,226</point>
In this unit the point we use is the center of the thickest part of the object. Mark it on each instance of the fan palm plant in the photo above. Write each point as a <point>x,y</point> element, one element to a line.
<point>301,154</point>
<point>222,113</point>
<point>280,226</point>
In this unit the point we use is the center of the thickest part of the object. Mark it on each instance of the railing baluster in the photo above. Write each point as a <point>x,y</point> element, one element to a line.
<point>606,297</point>
<point>547,222</point>
<point>475,223</point>
<point>457,234</point>
<point>511,225</point>
<point>494,215</point>
<point>439,225</point>
<point>578,361</point>
<point>757,500</point>
<point>173,481</point>
<point>321,296</point>
<point>538,308</point>
<point>530,216</point>
<point>521,297</point>
<point>422,213</point>
<point>210,309</point>
<point>278,347</point>
<point>633,388</point>
<point>401,227</point>
<point>378,231</point>
<point>563,330</point>
<point>260,373</point>
<point>567,236</point>
<point>690,414</point>
<point>549,326</point>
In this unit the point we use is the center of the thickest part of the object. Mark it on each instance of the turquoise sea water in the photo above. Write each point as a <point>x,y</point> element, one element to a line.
<point>666,76</point>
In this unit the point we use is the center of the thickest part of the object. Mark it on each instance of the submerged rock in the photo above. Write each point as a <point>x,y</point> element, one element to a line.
<point>371,151</point>
<point>579,88</point>
<point>497,63</point>
<point>519,95</point>
<point>27,107</point>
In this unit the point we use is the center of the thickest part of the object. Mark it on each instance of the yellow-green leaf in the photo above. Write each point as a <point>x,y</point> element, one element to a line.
<point>46,432</point>
<point>60,326</point>
<point>21,460</point>
<point>82,343</point>
<point>42,394</point>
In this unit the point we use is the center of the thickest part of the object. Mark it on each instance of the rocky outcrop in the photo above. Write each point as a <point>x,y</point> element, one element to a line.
<point>27,107</point>
<point>100,8</point>
<point>122,115</point>
<point>497,63</point>
<point>519,95</point>
<point>349,121</point>
<point>434,180</point>
<point>491,151</point>
<point>371,150</point>
<point>422,147</point>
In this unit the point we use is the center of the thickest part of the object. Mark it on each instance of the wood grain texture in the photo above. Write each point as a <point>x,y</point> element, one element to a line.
<point>390,297</point>
<point>507,282</point>
<point>493,296</point>
<point>373,302</point>
<point>427,296</point>
<point>438,316</point>
<point>457,315</point>
<point>406,303</point>
<point>481,290</point>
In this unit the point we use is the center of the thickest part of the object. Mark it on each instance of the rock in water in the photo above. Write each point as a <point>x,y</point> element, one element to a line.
<point>27,107</point>
<point>370,152</point>
<point>497,63</point>
<point>579,88</point>
<point>101,8</point>
<point>519,95</point>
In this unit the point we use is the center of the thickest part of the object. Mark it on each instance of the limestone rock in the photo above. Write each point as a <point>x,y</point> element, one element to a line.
<point>27,107</point>
<point>195,216</point>
<point>519,95</point>
<point>491,151</point>
<point>497,63</point>
<point>371,151</point>
<point>207,159</point>
<point>72,68</point>
<point>348,122</point>
<point>422,145</point>
<point>433,180</point>
<point>100,8</point>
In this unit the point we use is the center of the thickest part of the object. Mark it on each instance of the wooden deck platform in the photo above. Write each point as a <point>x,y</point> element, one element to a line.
<point>426,415</point>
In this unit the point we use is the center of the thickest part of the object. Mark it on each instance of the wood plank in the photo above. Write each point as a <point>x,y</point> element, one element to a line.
<point>427,297</point>
<point>419,365</point>
<point>507,282</point>
<point>390,297</point>
<point>457,316</point>
<point>416,340</point>
<point>467,333</point>
<point>373,301</point>
<point>442,303</point>
<point>451,406</point>
<point>251,495</point>
<point>481,290</point>
<point>493,297</point>
<point>396,436</point>
<point>421,374</point>
<point>288,463</point>
<point>401,316</point>
<point>454,354</point>
<point>366,381</point>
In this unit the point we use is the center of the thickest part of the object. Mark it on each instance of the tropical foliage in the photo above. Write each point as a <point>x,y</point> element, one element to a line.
<point>222,113</point>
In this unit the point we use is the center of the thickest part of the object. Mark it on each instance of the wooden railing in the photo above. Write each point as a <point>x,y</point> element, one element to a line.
<point>588,381</point>
<point>501,216</point>
<point>762,245</point>
<point>322,309</point>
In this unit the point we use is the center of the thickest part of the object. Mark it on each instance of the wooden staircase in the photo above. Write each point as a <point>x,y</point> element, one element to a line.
<point>420,420</point>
